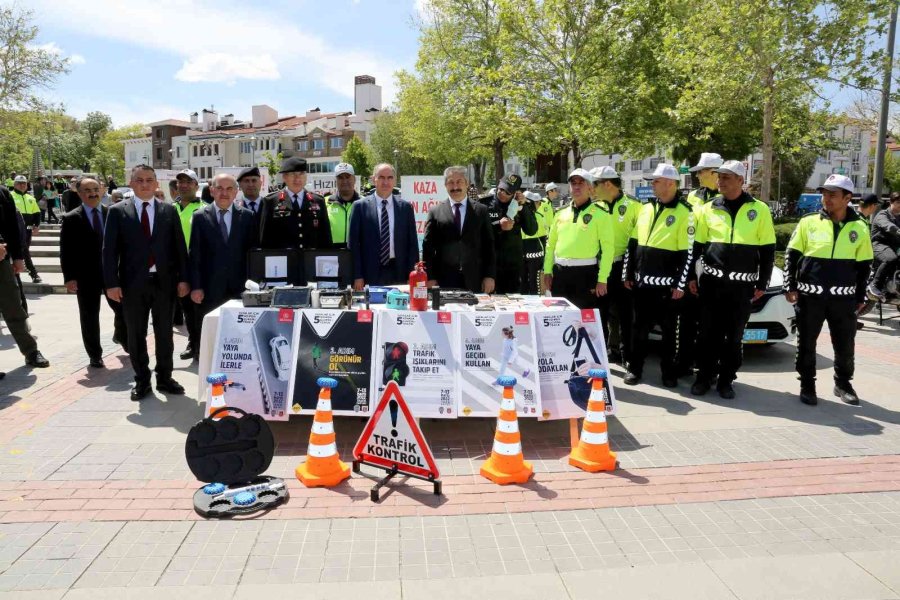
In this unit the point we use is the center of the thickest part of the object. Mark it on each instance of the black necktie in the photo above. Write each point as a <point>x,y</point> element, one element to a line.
<point>253,206</point>
<point>457,217</point>
<point>222,227</point>
<point>98,226</point>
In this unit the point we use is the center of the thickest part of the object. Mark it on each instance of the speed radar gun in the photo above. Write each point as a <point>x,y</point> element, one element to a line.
<point>592,453</point>
<point>216,402</point>
<point>507,463</point>
<point>323,466</point>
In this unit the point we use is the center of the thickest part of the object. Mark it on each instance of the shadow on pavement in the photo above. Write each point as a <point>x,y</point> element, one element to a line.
<point>19,378</point>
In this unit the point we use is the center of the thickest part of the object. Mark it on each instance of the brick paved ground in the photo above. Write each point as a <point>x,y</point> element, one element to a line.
<point>713,499</point>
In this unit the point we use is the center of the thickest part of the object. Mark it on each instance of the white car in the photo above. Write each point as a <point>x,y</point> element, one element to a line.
<point>281,356</point>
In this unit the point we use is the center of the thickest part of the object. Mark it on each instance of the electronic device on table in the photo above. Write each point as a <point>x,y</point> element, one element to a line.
<point>335,298</point>
<point>450,296</point>
<point>291,297</point>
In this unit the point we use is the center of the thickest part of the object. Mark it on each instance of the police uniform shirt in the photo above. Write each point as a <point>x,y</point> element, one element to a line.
<point>624,213</point>
<point>829,259</point>
<point>661,249</point>
<point>581,233</point>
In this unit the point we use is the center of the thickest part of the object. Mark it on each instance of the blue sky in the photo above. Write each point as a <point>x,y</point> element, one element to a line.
<point>148,61</point>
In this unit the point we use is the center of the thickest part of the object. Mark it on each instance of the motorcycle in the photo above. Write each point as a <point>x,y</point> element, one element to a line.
<point>891,294</point>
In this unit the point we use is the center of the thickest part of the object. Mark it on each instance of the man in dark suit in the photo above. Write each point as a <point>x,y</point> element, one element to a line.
<point>382,234</point>
<point>222,233</point>
<point>144,266</point>
<point>458,248</point>
<point>80,254</point>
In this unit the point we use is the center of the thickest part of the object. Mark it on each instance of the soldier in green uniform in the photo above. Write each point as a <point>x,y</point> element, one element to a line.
<point>616,307</point>
<point>825,272</point>
<point>340,202</point>
<point>659,263</point>
<point>580,248</point>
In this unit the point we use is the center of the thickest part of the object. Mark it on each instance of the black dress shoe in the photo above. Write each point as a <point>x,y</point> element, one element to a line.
<point>615,357</point>
<point>2,374</point>
<point>140,390</point>
<point>846,393</point>
<point>187,354</point>
<point>169,386</point>
<point>700,387</point>
<point>726,391</point>
<point>670,381</point>
<point>36,359</point>
<point>97,363</point>
<point>631,378</point>
<point>808,395</point>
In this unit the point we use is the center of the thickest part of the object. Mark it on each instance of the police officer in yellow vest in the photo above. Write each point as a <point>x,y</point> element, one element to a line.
<point>658,265</point>
<point>580,247</point>
<point>616,308</point>
<point>186,204</point>
<point>689,315</point>
<point>31,214</point>
<point>825,272</point>
<point>737,238</point>
<point>340,202</point>
<point>533,244</point>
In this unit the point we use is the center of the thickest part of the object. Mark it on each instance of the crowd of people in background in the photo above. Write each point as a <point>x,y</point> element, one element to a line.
<point>690,264</point>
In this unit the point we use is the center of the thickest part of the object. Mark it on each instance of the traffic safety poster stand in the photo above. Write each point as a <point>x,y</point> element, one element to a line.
<point>392,440</point>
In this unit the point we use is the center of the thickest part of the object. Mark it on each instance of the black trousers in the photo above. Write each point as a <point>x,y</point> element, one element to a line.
<point>887,266</point>
<point>13,312</point>
<point>89,315</point>
<point>654,305</point>
<point>191,322</point>
<point>576,284</point>
<point>531,275</point>
<point>509,277</point>
<point>617,313</point>
<point>688,329</point>
<point>137,306</point>
<point>724,308</point>
<point>26,250</point>
<point>840,314</point>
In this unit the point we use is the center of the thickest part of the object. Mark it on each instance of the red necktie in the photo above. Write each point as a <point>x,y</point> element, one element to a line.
<point>145,225</point>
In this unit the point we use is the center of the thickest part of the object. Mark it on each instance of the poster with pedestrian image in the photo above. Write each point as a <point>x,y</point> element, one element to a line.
<point>493,345</point>
<point>570,343</point>
<point>254,349</point>
<point>419,350</point>
<point>337,344</point>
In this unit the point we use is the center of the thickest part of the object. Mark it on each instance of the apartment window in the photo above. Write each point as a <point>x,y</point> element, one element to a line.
<point>216,150</point>
<point>159,134</point>
<point>302,146</point>
<point>637,165</point>
<point>654,162</point>
<point>195,150</point>
<point>178,152</point>
<point>337,142</point>
<point>132,156</point>
<point>318,144</point>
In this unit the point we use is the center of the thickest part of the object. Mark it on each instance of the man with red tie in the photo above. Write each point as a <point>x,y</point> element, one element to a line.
<point>458,247</point>
<point>145,265</point>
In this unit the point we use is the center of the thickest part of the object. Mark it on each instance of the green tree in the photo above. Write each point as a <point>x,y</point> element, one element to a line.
<point>25,69</point>
<point>273,163</point>
<point>775,53</point>
<point>109,157</point>
<point>389,145</point>
<point>359,155</point>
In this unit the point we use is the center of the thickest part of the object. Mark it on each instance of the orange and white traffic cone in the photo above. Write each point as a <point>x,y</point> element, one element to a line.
<point>217,382</point>
<point>506,463</point>
<point>592,453</point>
<point>323,466</point>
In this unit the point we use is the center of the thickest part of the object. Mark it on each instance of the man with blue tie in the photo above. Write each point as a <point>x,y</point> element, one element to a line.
<point>382,235</point>
<point>222,233</point>
<point>80,255</point>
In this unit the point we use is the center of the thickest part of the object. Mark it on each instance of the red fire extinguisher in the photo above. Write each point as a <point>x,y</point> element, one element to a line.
<point>418,292</point>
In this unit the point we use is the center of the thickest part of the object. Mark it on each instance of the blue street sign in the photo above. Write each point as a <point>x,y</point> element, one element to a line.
<point>643,192</point>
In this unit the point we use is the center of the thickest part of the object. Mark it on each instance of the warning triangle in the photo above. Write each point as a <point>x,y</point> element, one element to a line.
<point>392,437</point>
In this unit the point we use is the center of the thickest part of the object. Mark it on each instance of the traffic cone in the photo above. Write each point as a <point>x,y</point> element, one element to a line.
<point>323,466</point>
<point>506,464</point>
<point>592,453</point>
<point>217,381</point>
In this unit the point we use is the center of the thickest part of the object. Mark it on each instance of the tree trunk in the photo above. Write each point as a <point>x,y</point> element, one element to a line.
<point>499,165</point>
<point>478,169</point>
<point>768,138</point>
<point>576,155</point>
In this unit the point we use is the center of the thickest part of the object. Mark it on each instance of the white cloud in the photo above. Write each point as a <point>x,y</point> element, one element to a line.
<point>77,59</point>
<point>220,67</point>
<point>52,48</point>
<point>210,35</point>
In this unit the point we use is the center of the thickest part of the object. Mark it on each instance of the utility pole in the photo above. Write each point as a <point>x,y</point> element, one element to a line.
<point>881,148</point>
